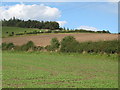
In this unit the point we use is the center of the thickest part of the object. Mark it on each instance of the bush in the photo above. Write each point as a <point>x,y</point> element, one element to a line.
<point>10,46</point>
<point>69,44</point>
<point>48,48</point>
<point>38,48</point>
<point>28,46</point>
<point>54,44</point>
<point>4,45</point>
<point>109,47</point>
<point>10,34</point>
<point>6,32</point>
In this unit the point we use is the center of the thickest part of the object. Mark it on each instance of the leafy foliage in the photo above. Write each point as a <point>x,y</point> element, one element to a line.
<point>31,24</point>
<point>69,44</point>
<point>4,45</point>
<point>7,46</point>
<point>55,44</point>
<point>28,46</point>
<point>48,48</point>
<point>38,48</point>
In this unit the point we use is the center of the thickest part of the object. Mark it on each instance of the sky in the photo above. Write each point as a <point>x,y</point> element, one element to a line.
<point>74,15</point>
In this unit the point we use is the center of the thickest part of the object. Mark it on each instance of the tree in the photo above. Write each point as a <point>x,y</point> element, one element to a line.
<point>55,44</point>
<point>29,45</point>
<point>69,44</point>
<point>48,48</point>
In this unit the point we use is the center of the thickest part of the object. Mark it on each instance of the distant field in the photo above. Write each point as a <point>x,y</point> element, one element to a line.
<point>16,30</point>
<point>44,39</point>
<point>53,70</point>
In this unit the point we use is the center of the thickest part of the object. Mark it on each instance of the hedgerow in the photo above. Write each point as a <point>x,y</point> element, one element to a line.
<point>28,46</point>
<point>69,44</point>
<point>7,46</point>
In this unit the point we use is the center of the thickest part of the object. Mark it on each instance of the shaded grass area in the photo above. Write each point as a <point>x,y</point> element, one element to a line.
<point>59,70</point>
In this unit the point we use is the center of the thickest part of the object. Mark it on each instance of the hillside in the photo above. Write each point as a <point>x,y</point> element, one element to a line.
<point>6,31</point>
<point>44,39</point>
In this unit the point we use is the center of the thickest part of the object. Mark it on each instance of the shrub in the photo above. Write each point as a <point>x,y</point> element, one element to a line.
<point>29,45</point>
<point>6,32</point>
<point>24,48</point>
<point>4,45</point>
<point>10,46</point>
<point>17,48</point>
<point>25,31</point>
<point>48,48</point>
<point>69,44</point>
<point>12,33</point>
<point>38,48</point>
<point>54,44</point>
<point>109,47</point>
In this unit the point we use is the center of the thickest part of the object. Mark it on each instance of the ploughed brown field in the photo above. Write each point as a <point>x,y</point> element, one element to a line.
<point>43,40</point>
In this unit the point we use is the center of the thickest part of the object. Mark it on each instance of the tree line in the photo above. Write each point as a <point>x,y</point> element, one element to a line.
<point>69,45</point>
<point>52,26</point>
<point>13,22</point>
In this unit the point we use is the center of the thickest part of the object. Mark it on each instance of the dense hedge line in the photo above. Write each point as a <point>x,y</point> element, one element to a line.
<point>69,44</point>
<point>94,47</point>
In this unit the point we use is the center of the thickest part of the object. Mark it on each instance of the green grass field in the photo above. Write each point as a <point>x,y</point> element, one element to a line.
<point>54,70</point>
<point>16,30</point>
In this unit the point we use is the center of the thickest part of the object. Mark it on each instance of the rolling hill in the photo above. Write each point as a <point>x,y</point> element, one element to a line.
<point>44,39</point>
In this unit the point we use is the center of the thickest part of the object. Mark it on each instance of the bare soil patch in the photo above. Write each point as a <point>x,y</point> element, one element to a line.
<point>43,40</point>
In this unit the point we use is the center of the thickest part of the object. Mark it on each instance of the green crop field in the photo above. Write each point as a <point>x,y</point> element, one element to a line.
<point>6,31</point>
<point>58,70</point>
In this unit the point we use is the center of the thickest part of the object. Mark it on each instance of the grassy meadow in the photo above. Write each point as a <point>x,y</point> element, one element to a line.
<point>6,31</point>
<point>59,70</point>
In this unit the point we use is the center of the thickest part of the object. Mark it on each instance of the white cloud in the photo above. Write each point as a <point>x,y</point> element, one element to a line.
<point>34,12</point>
<point>62,23</point>
<point>88,28</point>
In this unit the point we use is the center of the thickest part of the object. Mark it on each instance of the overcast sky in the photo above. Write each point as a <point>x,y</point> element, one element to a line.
<point>81,15</point>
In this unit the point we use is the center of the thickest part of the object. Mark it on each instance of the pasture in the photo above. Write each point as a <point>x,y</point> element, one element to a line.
<point>59,70</point>
<point>6,31</point>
